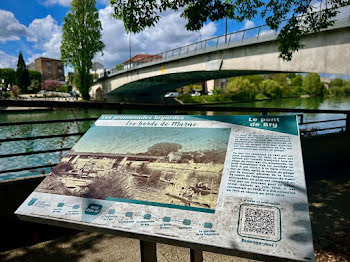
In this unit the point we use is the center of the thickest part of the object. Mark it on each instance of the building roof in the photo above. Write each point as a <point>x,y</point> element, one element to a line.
<point>47,58</point>
<point>96,66</point>
<point>141,58</point>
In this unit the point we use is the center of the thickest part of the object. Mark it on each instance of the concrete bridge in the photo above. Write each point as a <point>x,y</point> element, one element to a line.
<point>251,51</point>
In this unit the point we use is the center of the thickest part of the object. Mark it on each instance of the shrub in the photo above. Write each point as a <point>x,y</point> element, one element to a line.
<point>188,99</point>
<point>65,88</point>
<point>34,86</point>
<point>51,85</point>
<point>15,91</point>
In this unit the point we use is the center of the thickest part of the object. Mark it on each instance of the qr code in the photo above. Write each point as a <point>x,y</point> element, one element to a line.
<point>259,221</point>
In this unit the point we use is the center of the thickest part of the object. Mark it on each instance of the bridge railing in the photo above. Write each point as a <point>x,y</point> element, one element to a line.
<point>339,119</point>
<point>258,33</point>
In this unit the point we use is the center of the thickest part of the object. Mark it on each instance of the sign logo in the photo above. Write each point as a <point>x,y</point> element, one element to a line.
<point>93,209</point>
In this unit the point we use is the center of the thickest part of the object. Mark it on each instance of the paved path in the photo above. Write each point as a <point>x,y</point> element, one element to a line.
<point>94,247</point>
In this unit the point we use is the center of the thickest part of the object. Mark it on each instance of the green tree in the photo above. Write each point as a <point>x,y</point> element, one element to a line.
<point>281,79</point>
<point>239,88</point>
<point>35,75</point>
<point>297,81</point>
<point>312,84</point>
<point>9,76</point>
<point>81,41</point>
<point>337,82</point>
<point>22,75</point>
<point>119,67</point>
<point>254,79</point>
<point>70,78</point>
<point>137,15</point>
<point>271,88</point>
<point>291,75</point>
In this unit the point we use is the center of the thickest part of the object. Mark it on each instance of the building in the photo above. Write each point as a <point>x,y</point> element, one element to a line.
<point>97,70</point>
<point>139,59</point>
<point>51,69</point>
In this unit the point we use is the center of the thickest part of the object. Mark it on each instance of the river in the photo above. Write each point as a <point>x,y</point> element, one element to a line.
<point>340,103</point>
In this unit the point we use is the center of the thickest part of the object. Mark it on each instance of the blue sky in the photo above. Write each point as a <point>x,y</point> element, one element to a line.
<point>34,27</point>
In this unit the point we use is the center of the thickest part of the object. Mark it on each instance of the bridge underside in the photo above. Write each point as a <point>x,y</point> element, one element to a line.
<point>153,89</point>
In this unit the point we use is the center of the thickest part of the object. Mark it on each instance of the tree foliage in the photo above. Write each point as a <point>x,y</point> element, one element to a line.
<point>240,88</point>
<point>34,86</point>
<point>81,41</point>
<point>22,75</point>
<point>271,88</point>
<point>281,79</point>
<point>312,84</point>
<point>137,15</point>
<point>9,76</point>
<point>35,75</point>
<point>297,81</point>
<point>337,82</point>
<point>119,67</point>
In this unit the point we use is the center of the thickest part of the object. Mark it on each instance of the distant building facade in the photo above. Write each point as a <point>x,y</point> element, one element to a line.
<point>97,70</point>
<point>51,69</point>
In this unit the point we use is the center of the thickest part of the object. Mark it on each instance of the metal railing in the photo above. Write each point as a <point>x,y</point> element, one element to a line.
<point>258,33</point>
<point>306,129</point>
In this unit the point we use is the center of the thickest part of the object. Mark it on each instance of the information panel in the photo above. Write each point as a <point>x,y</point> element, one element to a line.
<point>226,182</point>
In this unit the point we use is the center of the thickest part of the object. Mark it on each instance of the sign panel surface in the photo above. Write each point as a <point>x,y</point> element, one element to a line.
<point>231,182</point>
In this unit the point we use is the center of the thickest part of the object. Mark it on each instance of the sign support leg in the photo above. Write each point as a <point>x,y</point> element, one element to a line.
<point>148,251</point>
<point>196,255</point>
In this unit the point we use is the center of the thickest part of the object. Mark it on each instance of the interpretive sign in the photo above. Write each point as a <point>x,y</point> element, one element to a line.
<point>221,183</point>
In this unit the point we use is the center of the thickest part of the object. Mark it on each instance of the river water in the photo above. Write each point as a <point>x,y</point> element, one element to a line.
<point>339,103</point>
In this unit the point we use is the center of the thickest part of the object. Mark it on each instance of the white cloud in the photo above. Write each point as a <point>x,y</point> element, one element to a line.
<point>10,28</point>
<point>46,35</point>
<point>248,24</point>
<point>57,2</point>
<point>169,33</point>
<point>7,60</point>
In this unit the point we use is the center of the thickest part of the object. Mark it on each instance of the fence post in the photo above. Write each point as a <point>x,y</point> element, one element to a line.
<point>196,255</point>
<point>347,125</point>
<point>301,119</point>
<point>120,109</point>
<point>148,251</point>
